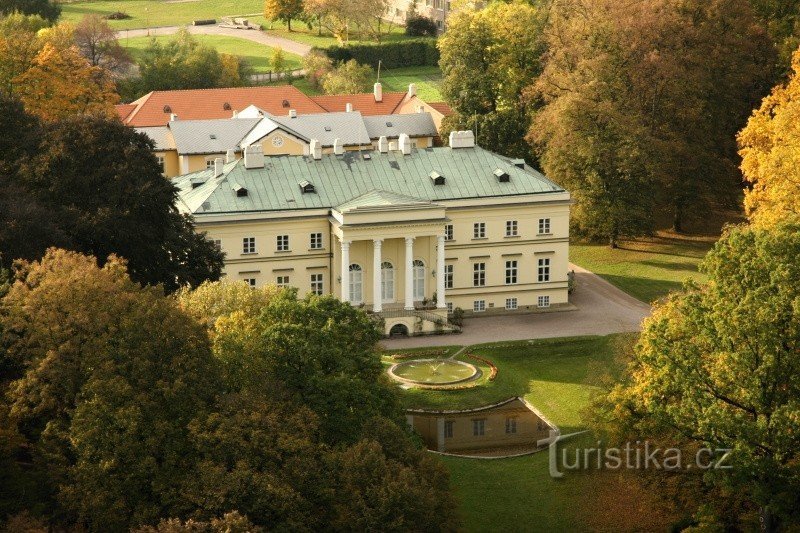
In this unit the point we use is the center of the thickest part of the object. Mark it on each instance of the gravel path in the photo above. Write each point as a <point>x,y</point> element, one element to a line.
<point>256,36</point>
<point>601,309</point>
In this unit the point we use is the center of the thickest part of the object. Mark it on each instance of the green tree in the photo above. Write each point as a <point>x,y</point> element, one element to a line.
<point>488,58</point>
<point>19,44</point>
<point>278,60</point>
<point>44,8</point>
<point>317,65</point>
<point>102,392</point>
<point>348,78</point>
<point>99,180</point>
<point>284,10</point>
<point>717,366</point>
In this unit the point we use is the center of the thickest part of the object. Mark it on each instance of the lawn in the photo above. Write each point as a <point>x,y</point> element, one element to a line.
<point>302,34</point>
<point>153,13</point>
<point>557,376</point>
<point>427,79</point>
<point>257,55</point>
<point>646,268</point>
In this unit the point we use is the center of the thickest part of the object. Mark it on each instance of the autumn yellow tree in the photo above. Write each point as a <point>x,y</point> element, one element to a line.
<point>770,150</point>
<point>60,83</point>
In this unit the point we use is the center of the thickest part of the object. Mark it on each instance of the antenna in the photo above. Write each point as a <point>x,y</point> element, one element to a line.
<point>379,70</point>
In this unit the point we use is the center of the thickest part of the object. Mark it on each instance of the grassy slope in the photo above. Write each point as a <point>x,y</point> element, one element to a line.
<point>645,268</point>
<point>257,55</point>
<point>426,78</point>
<point>517,494</point>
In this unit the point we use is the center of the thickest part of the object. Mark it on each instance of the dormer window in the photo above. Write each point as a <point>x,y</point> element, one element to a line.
<point>240,191</point>
<point>437,178</point>
<point>307,188</point>
<point>285,103</point>
<point>226,106</point>
<point>502,176</point>
<point>167,109</point>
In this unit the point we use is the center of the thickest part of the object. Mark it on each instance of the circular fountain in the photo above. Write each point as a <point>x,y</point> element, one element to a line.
<point>436,372</point>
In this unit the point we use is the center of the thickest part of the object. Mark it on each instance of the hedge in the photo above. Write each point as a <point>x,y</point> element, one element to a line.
<point>407,53</point>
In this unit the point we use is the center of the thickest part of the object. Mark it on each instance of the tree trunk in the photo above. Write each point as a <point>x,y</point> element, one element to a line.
<point>289,24</point>
<point>767,519</point>
<point>677,219</point>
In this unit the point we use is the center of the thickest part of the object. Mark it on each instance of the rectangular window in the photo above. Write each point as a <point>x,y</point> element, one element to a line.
<point>511,425</point>
<point>449,307</point>
<point>478,274</point>
<point>544,226</point>
<point>210,164</point>
<point>283,243</point>
<point>511,303</point>
<point>251,282</point>
<point>316,284</point>
<point>448,429</point>
<point>511,272</point>
<point>217,243</point>
<point>448,276</point>
<point>544,270</point>
<point>316,241</point>
<point>448,232</point>
<point>511,228</point>
<point>162,164</point>
<point>479,306</point>
<point>544,301</point>
<point>479,427</point>
<point>479,230</point>
<point>249,245</point>
<point>283,281</point>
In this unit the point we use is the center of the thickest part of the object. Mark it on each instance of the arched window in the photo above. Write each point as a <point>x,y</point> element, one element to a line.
<point>356,284</point>
<point>419,280</point>
<point>387,282</point>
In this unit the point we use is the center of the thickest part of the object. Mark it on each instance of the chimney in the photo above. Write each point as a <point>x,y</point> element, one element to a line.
<point>378,92</point>
<point>254,156</point>
<point>383,144</point>
<point>230,156</point>
<point>218,163</point>
<point>338,149</point>
<point>348,107</point>
<point>235,114</point>
<point>462,139</point>
<point>412,90</point>
<point>292,113</point>
<point>404,144</point>
<point>421,109</point>
<point>316,149</point>
<point>173,117</point>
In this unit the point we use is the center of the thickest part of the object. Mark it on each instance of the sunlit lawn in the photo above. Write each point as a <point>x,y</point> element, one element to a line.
<point>257,55</point>
<point>313,37</point>
<point>427,78</point>
<point>645,268</point>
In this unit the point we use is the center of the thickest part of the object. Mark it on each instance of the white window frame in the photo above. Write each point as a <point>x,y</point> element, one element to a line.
<point>479,306</point>
<point>317,286</point>
<point>282,243</point>
<point>387,282</point>
<point>449,307</point>
<point>449,276</point>
<point>316,241</point>
<point>511,425</point>
<point>512,271</point>
<point>478,427</point>
<point>512,228</point>
<point>251,282</point>
<point>210,163</point>
<point>418,277</point>
<point>249,245</point>
<point>448,428</point>
<point>479,230</point>
<point>543,301</point>
<point>448,232</point>
<point>544,226</point>
<point>356,274</point>
<point>543,272</point>
<point>282,281</point>
<point>511,304</point>
<point>479,274</point>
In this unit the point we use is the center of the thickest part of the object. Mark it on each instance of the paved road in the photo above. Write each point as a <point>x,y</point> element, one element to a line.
<point>601,309</point>
<point>256,36</point>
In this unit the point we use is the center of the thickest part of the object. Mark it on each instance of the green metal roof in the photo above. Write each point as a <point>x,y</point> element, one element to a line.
<point>341,179</point>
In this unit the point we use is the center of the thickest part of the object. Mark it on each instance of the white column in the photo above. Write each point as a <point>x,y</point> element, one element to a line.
<point>345,271</point>
<point>409,273</point>
<point>440,277</point>
<point>377,297</point>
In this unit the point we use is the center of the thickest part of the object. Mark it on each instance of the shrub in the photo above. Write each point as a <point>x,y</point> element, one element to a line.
<point>317,65</point>
<point>419,26</point>
<point>348,78</point>
<point>409,53</point>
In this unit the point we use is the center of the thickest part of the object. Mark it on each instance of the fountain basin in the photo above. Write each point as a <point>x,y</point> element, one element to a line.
<point>433,372</point>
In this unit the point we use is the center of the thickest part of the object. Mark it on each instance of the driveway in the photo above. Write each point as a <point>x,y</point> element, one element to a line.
<point>256,36</point>
<point>601,309</point>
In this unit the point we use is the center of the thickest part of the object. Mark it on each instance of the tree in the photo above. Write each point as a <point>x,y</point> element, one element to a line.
<point>103,393</point>
<point>348,78</point>
<point>98,43</point>
<point>61,83</point>
<point>284,10</point>
<point>19,44</point>
<point>343,17</point>
<point>278,61</point>
<point>770,147</point>
<point>781,19</point>
<point>44,8</point>
<point>317,65</point>
<point>100,181</point>
<point>717,366</point>
<point>488,58</point>
<point>420,26</point>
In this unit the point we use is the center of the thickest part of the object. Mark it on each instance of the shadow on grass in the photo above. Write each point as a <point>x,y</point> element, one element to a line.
<point>647,290</point>
<point>671,265</point>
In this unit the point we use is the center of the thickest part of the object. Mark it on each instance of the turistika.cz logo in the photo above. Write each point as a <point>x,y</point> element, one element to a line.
<point>639,455</point>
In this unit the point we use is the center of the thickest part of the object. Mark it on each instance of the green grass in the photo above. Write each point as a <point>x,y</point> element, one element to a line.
<point>645,268</point>
<point>302,34</point>
<point>257,55</point>
<point>427,79</point>
<point>153,13</point>
<point>557,376</point>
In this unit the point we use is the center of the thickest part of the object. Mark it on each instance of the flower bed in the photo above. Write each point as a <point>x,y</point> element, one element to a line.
<point>492,368</point>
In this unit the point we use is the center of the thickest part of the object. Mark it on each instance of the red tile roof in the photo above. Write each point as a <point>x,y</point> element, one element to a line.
<point>153,109</point>
<point>123,110</point>
<point>441,107</point>
<point>364,102</point>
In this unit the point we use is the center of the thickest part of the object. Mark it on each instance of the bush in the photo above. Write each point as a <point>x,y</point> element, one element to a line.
<point>419,26</point>
<point>348,78</point>
<point>410,53</point>
<point>117,15</point>
<point>317,65</point>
